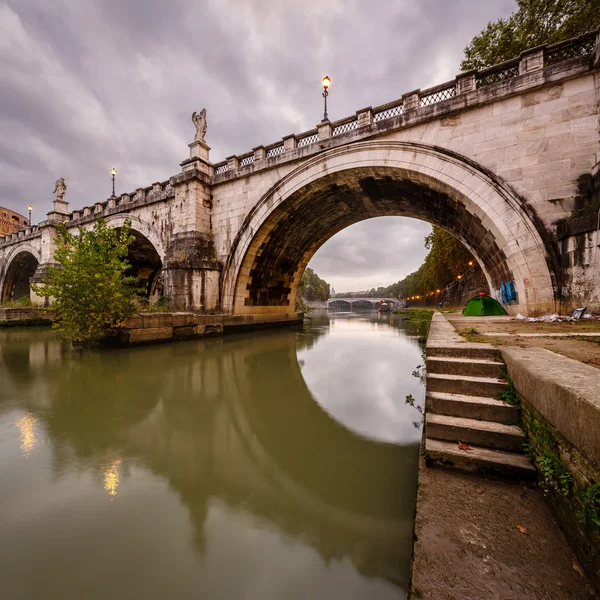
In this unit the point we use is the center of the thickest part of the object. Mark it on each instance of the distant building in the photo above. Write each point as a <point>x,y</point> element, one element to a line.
<point>11,221</point>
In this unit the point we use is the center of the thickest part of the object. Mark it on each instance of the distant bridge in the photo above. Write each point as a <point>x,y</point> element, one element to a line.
<point>361,302</point>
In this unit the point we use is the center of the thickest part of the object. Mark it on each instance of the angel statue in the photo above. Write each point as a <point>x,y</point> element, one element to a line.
<point>199,120</point>
<point>60,188</point>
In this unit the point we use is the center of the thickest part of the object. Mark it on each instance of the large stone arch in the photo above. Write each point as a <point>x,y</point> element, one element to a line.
<point>19,266</point>
<point>376,178</point>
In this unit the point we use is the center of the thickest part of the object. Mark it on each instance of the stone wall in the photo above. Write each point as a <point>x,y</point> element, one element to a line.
<point>145,328</point>
<point>560,406</point>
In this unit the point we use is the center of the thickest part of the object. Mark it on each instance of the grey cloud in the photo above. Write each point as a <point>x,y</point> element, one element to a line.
<point>91,84</point>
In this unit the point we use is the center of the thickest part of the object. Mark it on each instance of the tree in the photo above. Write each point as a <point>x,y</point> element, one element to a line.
<point>90,289</point>
<point>447,259</point>
<point>534,22</point>
<point>312,287</point>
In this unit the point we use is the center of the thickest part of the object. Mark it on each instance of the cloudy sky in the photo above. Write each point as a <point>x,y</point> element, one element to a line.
<point>91,84</point>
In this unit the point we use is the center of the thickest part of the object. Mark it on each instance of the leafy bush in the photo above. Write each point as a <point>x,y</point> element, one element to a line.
<point>91,292</point>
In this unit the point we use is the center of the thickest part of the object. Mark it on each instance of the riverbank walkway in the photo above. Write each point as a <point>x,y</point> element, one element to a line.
<point>487,538</point>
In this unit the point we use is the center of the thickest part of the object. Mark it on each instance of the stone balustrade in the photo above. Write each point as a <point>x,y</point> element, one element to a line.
<point>424,104</point>
<point>154,193</point>
<point>21,234</point>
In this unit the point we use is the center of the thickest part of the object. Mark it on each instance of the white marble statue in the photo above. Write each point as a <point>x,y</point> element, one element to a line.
<point>60,188</point>
<point>199,120</point>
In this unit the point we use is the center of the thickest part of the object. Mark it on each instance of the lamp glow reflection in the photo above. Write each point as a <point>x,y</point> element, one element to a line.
<point>111,477</point>
<point>28,430</point>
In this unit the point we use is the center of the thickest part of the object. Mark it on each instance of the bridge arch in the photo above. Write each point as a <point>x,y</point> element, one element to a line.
<point>378,178</point>
<point>19,267</point>
<point>146,254</point>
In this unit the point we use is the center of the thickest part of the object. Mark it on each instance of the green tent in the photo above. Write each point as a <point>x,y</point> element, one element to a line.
<point>483,306</point>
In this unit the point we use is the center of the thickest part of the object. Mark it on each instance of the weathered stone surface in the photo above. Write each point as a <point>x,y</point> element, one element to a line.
<point>149,334</point>
<point>564,391</point>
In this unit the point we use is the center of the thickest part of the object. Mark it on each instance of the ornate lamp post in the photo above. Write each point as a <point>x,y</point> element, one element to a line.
<point>326,84</point>
<point>30,208</point>
<point>113,172</point>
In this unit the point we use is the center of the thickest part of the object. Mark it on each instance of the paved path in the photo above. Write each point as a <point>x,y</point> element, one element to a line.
<point>468,546</point>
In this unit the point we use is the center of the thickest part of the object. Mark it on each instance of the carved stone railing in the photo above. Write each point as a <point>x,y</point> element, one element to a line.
<point>573,48</point>
<point>20,235</point>
<point>389,110</point>
<point>344,126</point>
<point>446,91</point>
<point>274,150</point>
<point>307,138</point>
<point>148,195</point>
<point>530,61</point>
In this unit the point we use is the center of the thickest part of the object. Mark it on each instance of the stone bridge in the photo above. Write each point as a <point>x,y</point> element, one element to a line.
<point>500,158</point>
<point>361,302</point>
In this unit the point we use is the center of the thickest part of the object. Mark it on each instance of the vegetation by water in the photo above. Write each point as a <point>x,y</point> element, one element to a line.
<point>91,292</point>
<point>415,314</point>
<point>312,287</point>
<point>446,261</point>
<point>24,302</point>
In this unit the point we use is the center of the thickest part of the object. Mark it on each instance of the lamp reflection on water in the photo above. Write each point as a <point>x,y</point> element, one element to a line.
<point>111,477</point>
<point>28,430</point>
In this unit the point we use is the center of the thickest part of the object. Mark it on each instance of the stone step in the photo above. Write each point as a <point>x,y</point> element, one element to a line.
<point>476,367</point>
<point>471,407</point>
<point>482,351</point>
<point>465,384</point>
<point>487,434</point>
<point>482,461</point>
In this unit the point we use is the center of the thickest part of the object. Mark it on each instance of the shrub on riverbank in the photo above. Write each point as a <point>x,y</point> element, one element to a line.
<point>91,292</point>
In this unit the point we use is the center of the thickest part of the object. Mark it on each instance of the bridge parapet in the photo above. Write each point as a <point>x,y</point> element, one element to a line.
<point>156,192</point>
<point>21,235</point>
<point>535,66</point>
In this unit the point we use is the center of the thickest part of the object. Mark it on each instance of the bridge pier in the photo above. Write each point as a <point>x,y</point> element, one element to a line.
<point>192,274</point>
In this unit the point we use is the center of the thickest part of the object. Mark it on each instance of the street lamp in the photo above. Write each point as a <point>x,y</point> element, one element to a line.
<point>113,172</point>
<point>30,208</point>
<point>326,84</point>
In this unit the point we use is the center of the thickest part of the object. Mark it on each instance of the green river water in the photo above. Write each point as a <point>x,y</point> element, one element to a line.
<point>271,465</point>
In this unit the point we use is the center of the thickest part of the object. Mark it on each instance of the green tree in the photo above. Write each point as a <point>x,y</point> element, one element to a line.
<point>91,291</point>
<point>312,287</point>
<point>534,22</point>
<point>447,259</point>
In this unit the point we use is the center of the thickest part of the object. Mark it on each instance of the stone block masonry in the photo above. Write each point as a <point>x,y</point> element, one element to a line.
<point>560,407</point>
<point>146,328</point>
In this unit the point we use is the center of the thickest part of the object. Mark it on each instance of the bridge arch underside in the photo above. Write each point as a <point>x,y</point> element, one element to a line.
<point>298,215</point>
<point>16,280</point>
<point>146,265</point>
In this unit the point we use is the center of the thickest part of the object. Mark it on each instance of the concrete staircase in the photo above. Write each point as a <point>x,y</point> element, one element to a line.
<point>462,405</point>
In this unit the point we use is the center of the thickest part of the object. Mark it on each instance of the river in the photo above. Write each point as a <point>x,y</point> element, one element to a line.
<point>274,465</point>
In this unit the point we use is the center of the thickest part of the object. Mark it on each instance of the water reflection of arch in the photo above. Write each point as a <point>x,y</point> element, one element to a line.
<point>197,415</point>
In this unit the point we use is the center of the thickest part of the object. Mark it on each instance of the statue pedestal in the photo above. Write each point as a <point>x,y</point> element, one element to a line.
<point>199,150</point>
<point>59,212</point>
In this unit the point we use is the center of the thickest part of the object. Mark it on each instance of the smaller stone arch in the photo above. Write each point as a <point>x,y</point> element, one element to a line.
<point>141,227</point>
<point>146,253</point>
<point>20,267</point>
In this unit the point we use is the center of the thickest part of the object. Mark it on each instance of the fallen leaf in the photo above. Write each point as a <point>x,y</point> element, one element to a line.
<point>464,447</point>
<point>522,529</point>
<point>479,491</point>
